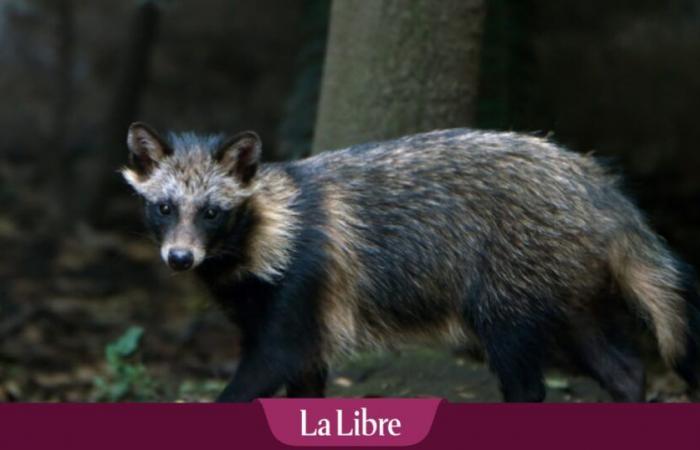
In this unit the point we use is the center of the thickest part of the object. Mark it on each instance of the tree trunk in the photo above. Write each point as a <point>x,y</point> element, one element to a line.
<point>295,133</point>
<point>395,67</point>
<point>54,180</point>
<point>65,56</point>
<point>99,171</point>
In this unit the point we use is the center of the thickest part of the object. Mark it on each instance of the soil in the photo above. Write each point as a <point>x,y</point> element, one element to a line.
<point>63,301</point>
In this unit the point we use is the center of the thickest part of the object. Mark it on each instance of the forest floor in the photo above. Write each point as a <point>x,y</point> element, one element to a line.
<point>63,301</point>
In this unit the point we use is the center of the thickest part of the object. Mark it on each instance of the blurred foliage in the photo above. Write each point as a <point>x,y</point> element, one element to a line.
<point>127,378</point>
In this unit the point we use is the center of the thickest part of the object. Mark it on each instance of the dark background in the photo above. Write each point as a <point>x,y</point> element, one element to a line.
<point>619,78</point>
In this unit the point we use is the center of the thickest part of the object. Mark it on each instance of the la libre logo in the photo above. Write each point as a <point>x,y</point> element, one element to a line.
<point>357,423</point>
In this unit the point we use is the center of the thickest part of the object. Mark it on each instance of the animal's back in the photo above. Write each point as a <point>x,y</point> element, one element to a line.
<point>434,217</point>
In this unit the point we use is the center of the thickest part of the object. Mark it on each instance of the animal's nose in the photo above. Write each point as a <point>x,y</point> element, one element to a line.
<point>179,259</point>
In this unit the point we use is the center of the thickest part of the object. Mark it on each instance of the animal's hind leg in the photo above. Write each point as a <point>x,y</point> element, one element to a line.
<point>688,365</point>
<point>611,359</point>
<point>514,355</point>
<point>686,369</point>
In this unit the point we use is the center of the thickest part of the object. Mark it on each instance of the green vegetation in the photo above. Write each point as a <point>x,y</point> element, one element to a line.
<point>127,378</point>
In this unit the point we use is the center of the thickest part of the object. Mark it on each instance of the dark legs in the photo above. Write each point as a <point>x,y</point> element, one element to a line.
<point>311,383</point>
<point>517,340</point>
<point>608,359</point>
<point>687,369</point>
<point>254,378</point>
<point>611,360</point>
<point>519,384</point>
<point>513,353</point>
<point>262,375</point>
<point>688,366</point>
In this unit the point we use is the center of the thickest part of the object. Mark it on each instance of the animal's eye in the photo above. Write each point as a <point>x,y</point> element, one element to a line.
<point>211,213</point>
<point>165,209</point>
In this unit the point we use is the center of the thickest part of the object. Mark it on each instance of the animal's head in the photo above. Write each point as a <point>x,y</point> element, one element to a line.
<point>192,187</point>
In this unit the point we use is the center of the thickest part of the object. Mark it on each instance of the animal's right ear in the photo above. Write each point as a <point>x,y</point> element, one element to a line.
<point>146,149</point>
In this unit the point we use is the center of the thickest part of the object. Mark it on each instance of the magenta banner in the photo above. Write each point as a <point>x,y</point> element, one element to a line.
<point>422,423</point>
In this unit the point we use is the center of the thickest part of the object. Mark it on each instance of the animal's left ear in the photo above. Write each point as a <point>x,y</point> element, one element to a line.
<point>240,155</point>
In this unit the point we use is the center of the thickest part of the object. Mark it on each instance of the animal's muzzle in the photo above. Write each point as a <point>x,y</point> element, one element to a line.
<point>180,259</point>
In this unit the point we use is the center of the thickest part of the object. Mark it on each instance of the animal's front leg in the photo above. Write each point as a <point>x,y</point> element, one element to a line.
<point>311,383</point>
<point>281,345</point>
<point>276,360</point>
<point>255,377</point>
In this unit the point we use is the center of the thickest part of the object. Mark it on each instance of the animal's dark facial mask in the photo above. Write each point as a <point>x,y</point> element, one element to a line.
<point>191,185</point>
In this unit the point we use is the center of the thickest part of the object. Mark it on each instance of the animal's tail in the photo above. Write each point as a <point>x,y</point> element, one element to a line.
<point>663,290</point>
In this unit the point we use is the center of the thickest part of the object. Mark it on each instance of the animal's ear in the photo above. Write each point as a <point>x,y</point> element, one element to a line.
<point>240,155</point>
<point>146,149</point>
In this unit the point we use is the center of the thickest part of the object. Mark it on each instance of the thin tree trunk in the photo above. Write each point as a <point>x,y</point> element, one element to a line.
<point>99,171</point>
<point>65,53</point>
<point>134,75</point>
<point>395,67</point>
<point>59,156</point>
<point>295,133</point>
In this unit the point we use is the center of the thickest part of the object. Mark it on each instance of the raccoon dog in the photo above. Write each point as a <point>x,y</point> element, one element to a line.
<point>501,241</point>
